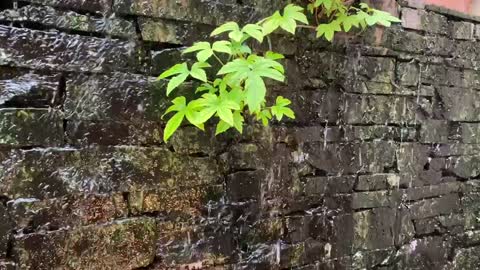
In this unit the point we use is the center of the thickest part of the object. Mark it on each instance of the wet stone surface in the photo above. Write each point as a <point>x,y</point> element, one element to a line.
<point>379,170</point>
<point>51,17</point>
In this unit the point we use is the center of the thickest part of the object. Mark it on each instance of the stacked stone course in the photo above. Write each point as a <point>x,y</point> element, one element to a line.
<point>379,170</point>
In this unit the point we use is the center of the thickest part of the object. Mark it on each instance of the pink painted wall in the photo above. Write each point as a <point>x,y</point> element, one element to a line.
<point>467,6</point>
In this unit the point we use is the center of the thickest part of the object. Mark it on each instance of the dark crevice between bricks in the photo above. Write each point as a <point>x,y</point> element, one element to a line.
<point>59,102</point>
<point>6,4</point>
<point>45,28</point>
<point>70,8</point>
<point>4,199</point>
<point>10,245</point>
<point>126,199</point>
<point>199,155</point>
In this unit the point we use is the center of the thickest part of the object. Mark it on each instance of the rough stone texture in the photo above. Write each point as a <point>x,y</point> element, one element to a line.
<point>35,49</point>
<point>124,244</point>
<point>51,17</point>
<point>379,170</point>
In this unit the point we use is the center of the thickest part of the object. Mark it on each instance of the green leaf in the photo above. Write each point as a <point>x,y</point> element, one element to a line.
<point>179,103</point>
<point>204,55</point>
<point>382,18</point>
<point>225,114</point>
<point>264,116</point>
<point>281,101</point>
<point>235,66</point>
<point>326,3</point>
<point>236,35</point>
<point>288,21</point>
<point>238,121</point>
<point>176,69</point>
<point>254,31</point>
<point>197,46</point>
<point>255,92</point>
<point>206,87</point>
<point>328,30</point>
<point>197,71</point>
<point>295,12</point>
<point>280,108</point>
<point>172,125</point>
<point>222,126</point>
<point>273,55</point>
<point>272,23</point>
<point>175,82</point>
<point>203,49</point>
<point>212,104</point>
<point>227,27</point>
<point>222,46</point>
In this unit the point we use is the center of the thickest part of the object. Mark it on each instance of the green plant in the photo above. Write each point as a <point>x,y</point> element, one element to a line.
<point>239,88</point>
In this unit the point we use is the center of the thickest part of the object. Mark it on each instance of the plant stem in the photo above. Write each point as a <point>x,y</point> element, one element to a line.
<point>218,59</point>
<point>306,26</point>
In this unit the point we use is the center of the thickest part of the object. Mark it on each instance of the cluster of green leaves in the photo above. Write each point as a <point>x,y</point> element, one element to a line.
<point>342,18</point>
<point>238,88</point>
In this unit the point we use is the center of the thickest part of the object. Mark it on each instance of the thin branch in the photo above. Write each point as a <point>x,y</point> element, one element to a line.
<point>307,26</point>
<point>218,59</point>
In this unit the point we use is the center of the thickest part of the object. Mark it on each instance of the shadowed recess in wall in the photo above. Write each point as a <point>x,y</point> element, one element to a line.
<point>379,170</point>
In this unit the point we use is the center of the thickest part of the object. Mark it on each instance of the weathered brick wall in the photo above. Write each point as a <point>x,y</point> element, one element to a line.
<point>379,170</point>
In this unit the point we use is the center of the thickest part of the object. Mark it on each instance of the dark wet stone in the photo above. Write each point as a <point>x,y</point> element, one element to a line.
<point>465,166</point>
<point>470,133</point>
<point>471,206</point>
<point>96,6</point>
<point>26,89</point>
<point>377,182</point>
<point>425,253</point>
<point>147,168</point>
<point>319,186</point>
<point>173,32</point>
<point>59,51</point>
<point>197,11</point>
<point>190,140</point>
<point>128,244</point>
<point>46,173</point>
<point>66,211</point>
<point>6,229</point>
<point>30,127</point>
<point>468,258</point>
<point>244,156</point>
<point>51,17</point>
<point>434,131</point>
<point>374,69</point>
<point>445,205</point>
<point>361,109</point>
<point>244,185</point>
<point>85,133</point>
<point>53,172</point>
<point>7,265</point>
<point>402,40</point>
<point>462,30</point>
<point>408,73</point>
<point>375,199</point>
<point>418,193</point>
<point>470,100</point>
<point>414,165</point>
<point>179,204</point>
<point>315,106</point>
<point>211,241</point>
<point>118,97</point>
<point>349,158</point>
<point>369,133</point>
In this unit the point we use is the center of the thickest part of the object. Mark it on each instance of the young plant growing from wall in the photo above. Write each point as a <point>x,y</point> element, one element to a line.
<point>239,89</point>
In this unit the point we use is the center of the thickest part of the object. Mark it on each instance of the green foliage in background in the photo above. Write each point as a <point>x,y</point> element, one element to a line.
<point>239,89</point>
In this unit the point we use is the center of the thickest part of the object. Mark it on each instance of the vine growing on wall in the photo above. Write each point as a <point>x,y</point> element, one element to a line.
<point>238,89</point>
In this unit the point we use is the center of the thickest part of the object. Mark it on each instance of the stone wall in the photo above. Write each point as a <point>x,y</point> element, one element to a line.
<point>380,169</point>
